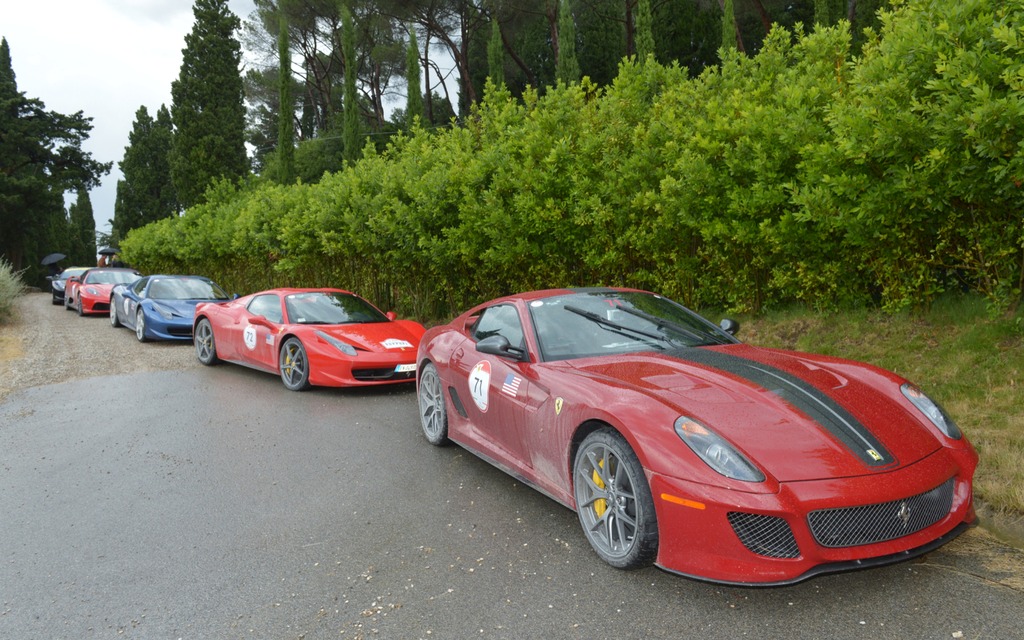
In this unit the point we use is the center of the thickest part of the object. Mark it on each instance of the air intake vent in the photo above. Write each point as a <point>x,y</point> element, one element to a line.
<point>764,535</point>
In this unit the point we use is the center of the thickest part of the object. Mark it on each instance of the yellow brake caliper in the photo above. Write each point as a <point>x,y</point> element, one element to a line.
<point>600,505</point>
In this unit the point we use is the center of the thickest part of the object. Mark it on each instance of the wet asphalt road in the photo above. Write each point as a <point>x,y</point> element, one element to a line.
<point>213,503</point>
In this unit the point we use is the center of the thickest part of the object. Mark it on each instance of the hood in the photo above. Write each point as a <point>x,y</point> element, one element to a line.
<point>797,416</point>
<point>378,337</point>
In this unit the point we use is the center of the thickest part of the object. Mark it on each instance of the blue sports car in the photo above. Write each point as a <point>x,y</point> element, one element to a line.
<point>162,307</point>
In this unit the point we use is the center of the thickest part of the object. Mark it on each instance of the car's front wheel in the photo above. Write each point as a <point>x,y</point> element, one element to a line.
<point>433,413</point>
<point>140,325</point>
<point>613,501</point>
<point>114,320</point>
<point>294,365</point>
<point>206,348</point>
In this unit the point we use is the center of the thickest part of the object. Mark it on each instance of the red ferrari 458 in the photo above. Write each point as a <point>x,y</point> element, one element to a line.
<point>677,444</point>
<point>325,337</point>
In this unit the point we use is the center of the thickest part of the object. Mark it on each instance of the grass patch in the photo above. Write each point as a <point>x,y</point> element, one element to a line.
<point>11,287</point>
<point>967,360</point>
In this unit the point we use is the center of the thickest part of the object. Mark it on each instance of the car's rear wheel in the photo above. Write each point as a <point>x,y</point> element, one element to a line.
<point>294,365</point>
<point>613,501</point>
<point>206,348</point>
<point>140,325</point>
<point>433,413</point>
<point>114,321</point>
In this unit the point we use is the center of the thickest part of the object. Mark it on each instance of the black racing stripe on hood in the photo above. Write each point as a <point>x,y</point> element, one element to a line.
<point>808,399</point>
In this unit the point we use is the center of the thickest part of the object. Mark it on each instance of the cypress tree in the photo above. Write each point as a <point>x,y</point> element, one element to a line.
<point>414,102</point>
<point>82,231</point>
<point>644,30</point>
<point>567,68</point>
<point>496,54</point>
<point>207,105</point>
<point>351,106</point>
<point>285,124</point>
<point>728,26</point>
<point>145,193</point>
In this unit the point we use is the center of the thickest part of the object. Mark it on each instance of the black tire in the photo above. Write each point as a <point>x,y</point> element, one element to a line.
<point>433,412</point>
<point>294,365</point>
<point>614,502</point>
<point>78,307</point>
<point>206,348</point>
<point>114,320</point>
<point>140,326</point>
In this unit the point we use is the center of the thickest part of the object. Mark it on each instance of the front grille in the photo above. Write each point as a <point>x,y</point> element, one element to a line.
<point>175,330</point>
<point>382,374</point>
<point>764,535</point>
<point>872,523</point>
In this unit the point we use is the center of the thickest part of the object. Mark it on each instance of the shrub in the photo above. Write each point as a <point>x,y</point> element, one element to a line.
<point>10,288</point>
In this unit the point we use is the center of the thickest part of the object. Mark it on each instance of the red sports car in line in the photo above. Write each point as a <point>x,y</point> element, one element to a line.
<point>677,444</point>
<point>89,293</point>
<point>326,337</point>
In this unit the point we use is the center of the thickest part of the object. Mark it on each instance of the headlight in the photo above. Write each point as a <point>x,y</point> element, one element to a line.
<point>343,347</point>
<point>92,291</point>
<point>166,313</point>
<point>932,410</point>
<point>716,452</point>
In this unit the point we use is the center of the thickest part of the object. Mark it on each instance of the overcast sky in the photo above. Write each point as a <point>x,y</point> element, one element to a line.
<point>105,58</point>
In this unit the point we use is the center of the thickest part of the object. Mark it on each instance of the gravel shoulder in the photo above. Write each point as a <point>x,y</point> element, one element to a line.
<point>45,344</point>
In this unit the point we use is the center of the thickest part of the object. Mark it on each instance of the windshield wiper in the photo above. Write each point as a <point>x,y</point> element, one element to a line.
<point>662,322</point>
<point>611,325</point>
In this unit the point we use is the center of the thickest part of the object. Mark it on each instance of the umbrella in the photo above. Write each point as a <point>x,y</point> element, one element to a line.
<point>52,258</point>
<point>108,251</point>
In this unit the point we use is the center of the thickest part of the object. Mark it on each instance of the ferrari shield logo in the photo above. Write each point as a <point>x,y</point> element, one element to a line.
<point>558,406</point>
<point>874,455</point>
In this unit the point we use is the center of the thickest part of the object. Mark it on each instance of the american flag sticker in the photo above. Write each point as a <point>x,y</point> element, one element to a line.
<point>511,386</point>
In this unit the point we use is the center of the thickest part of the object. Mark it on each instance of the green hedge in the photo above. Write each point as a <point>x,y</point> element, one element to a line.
<point>799,174</point>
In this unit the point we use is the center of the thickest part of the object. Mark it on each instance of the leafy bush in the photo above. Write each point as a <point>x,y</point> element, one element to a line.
<point>10,288</point>
<point>800,174</point>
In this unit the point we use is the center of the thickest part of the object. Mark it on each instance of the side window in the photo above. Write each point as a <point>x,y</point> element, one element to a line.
<point>268,306</point>
<point>502,320</point>
<point>139,285</point>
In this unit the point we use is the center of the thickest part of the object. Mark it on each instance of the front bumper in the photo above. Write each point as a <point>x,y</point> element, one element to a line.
<point>700,537</point>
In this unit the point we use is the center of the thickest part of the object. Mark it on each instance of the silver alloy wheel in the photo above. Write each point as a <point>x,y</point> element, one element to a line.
<point>613,501</point>
<point>206,348</point>
<point>294,365</point>
<point>140,325</point>
<point>433,413</point>
<point>114,322</point>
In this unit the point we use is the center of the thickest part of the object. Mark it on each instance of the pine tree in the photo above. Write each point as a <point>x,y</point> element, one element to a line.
<point>41,158</point>
<point>207,107</point>
<point>82,231</point>
<point>567,68</point>
<point>414,101</point>
<point>145,193</point>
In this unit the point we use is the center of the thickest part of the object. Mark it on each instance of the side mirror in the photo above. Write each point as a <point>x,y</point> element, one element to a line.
<point>261,321</point>
<point>499,346</point>
<point>391,315</point>
<point>729,326</point>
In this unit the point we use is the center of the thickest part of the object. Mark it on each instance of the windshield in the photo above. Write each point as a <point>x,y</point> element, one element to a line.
<point>592,323</point>
<point>327,307</point>
<point>185,289</point>
<point>110,277</point>
<point>69,273</point>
